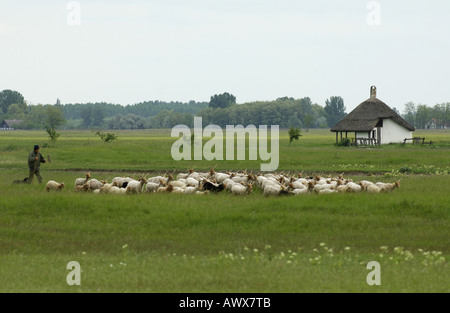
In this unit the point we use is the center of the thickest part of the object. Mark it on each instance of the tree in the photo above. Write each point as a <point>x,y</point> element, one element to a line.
<point>294,134</point>
<point>335,110</point>
<point>87,114</point>
<point>410,113</point>
<point>54,117</point>
<point>308,121</point>
<point>16,111</point>
<point>8,97</point>
<point>224,100</point>
<point>423,115</point>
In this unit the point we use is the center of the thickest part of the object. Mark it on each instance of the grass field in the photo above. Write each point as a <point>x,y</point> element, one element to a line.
<point>220,243</point>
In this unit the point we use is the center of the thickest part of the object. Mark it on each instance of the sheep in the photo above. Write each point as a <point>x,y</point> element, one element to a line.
<point>82,181</point>
<point>107,187</point>
<point>83,188</point>
<point>178,184</point>
<point>272,190</point>
<point>355,188</point>
<point>240,179</point>
<point>374,189</point>
<point>94,184</point>
<point>241,190</point>
<point>297,192</point>
<point>136,186</point>
<point>365,184</point>
<point>220,177</point>
<point>327,191</point>
<point>54,186</point>
<point>201,193</point>
<point>165,189</point>
<point>178,190</point>
<point>191,182</point>
<point>191,190</point>
<point>185,176</point>
<point>342,188</point>
<point>152,187</point>
<point>117,191</point>
<point>228,184</point>
<point>97,191</point>
<point>388,187</point>
<point>321,187</point>
<point>122,182</point>
<point>297,185</point>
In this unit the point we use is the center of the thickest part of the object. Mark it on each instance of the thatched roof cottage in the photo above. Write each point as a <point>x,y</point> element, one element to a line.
<point>373,122</point>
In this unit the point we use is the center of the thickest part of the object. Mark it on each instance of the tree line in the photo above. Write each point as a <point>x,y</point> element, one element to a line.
<point>221,110</point>
<point>423,117</point>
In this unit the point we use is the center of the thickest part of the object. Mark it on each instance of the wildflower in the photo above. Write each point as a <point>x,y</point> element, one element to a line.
<point>124,246</point>
<point>384,248</point>
<point>347,249</point>
<point>83,253</point>
<point>322,244</point>
<point>256,250</point>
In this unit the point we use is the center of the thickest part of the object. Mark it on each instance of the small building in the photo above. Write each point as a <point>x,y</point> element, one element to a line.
<point>373,123</point>
<point>10,124</point>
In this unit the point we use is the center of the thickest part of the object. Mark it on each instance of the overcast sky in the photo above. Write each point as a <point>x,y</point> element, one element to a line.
<point>132,51</point>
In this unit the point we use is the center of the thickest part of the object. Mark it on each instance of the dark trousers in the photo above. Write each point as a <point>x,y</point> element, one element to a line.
<point>36,172</point>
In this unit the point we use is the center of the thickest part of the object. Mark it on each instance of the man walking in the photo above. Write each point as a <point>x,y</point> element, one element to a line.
<point>34,163</point>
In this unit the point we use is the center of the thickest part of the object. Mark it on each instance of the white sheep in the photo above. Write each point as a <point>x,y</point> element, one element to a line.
<point>355,188</point>
<point>136,186</point>
<point>272,190</point>
<point>240,190</point>
<point>191,190</point>
<point>95,184</point>
<point>117,191</point>
<point>165,189</point>
<point>82,181</point>
<point>297,192</point>
<point>178,190</point>
<point>152,187</point>
<point>190,182</point>
<point>178,184</point>
<point>373,189</point>
<point>54,186</point>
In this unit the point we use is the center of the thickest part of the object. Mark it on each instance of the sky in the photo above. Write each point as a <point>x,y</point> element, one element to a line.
<point>132,51</point>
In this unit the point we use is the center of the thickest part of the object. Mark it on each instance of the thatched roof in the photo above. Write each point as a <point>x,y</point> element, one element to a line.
<point>367,115</point>
<point>11,123</point>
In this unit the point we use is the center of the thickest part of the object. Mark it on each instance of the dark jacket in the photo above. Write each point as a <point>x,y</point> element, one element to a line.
<point>32,160</point>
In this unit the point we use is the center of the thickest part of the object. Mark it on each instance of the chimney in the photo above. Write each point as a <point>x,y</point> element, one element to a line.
<point>373,92</point>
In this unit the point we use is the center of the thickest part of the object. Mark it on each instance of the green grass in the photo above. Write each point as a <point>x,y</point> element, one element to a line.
<point>151,150</point>
<point>173,243</point>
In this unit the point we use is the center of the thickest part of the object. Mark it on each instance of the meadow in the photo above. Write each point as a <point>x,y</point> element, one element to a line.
<point>221,243</point>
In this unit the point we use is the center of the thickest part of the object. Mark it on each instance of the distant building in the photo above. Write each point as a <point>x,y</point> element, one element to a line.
<point>10,124</point>
<point>373,122</point>
<point>435,124</point>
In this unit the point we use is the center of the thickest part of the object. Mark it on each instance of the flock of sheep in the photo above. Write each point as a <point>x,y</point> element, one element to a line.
<point>235,183</point>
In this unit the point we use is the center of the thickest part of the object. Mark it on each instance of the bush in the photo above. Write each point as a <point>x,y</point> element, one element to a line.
<point>106,137</point>
<point>345,142</point>
<point>405,170</point>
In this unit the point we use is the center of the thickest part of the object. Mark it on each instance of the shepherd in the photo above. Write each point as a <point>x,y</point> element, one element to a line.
<point>34,163</point>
